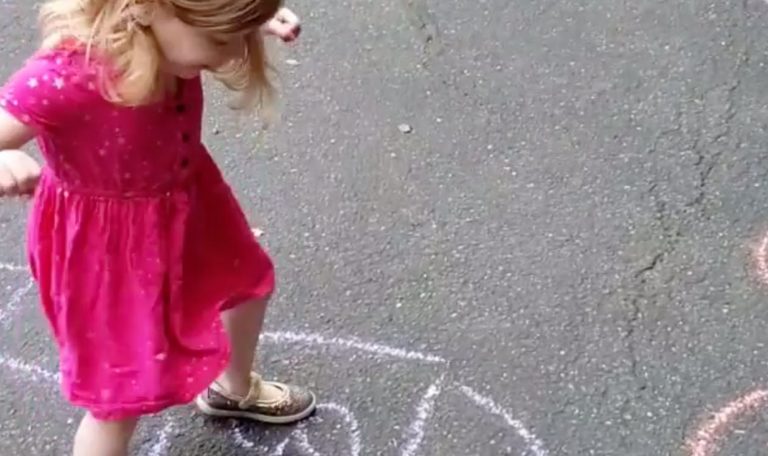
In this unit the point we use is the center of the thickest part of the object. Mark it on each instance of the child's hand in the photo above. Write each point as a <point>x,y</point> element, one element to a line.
<point>285,25</point>
<point>19,173</point>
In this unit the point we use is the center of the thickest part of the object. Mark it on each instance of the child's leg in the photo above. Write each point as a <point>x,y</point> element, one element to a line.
<point>243,324</point>
<point>238,393</point>
<point>103,438</point>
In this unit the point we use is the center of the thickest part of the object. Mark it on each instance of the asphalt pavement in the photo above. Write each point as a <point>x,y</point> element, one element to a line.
<point>501,228</point>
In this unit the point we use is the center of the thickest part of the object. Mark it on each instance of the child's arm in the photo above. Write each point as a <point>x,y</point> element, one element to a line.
<point>43,95</point>
<point>18,171</point>
<point>13,133</point>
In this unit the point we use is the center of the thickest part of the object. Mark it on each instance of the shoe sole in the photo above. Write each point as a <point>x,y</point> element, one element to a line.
<point>269,419</point>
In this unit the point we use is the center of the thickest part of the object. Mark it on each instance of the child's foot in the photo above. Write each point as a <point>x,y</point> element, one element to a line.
<point>268,402</point>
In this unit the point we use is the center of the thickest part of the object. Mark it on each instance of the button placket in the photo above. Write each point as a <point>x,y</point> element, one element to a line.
<point>181,109</point>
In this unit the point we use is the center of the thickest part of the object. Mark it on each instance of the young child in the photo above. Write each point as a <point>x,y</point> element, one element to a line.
<point>150,277</point>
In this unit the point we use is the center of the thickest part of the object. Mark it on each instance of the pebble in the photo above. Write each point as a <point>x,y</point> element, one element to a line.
<point>405,128</point>
<point>292,62</point>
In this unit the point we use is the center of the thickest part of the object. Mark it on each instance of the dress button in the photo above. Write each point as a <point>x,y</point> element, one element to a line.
<point>180,108</point>
<point>184,162</point>
<point>185,137</point>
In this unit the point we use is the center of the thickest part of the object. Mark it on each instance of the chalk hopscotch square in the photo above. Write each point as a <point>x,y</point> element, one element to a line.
<point>350,395</point>
<point>383,403</point>
<point>372,396</point>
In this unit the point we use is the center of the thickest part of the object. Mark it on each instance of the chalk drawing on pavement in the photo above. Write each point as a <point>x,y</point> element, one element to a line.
<point>706,439</point>
<point>760,255</point>
<point>298,440</point>
<point>710,433</point>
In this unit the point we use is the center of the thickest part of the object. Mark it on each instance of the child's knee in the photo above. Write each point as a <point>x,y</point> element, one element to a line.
<point>121,425</point>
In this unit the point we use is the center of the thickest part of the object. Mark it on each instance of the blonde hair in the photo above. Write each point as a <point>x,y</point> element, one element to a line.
<point>111,28</point>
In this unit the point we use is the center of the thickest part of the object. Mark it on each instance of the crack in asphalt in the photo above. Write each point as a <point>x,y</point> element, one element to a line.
<point>425,23</point>
<point>707,137</point>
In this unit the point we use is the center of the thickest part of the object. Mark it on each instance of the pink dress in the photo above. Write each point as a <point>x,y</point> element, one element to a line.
<point>135,240</point>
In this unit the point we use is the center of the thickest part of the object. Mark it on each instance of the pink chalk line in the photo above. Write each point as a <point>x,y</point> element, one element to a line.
<point>761,259</point>
<point>704,441</point>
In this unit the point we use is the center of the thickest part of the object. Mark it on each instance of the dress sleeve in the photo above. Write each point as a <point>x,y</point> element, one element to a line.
<point>42,94</point>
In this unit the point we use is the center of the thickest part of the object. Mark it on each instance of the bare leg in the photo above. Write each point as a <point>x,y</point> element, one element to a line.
<point>103,438</point>
<point>235,394</point>
<point>243,324</point>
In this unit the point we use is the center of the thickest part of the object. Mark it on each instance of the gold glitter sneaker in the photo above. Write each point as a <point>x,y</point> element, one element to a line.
<point>290,405</point>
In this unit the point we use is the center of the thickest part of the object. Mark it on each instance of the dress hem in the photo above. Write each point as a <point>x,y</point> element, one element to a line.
<point>116,412</point>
